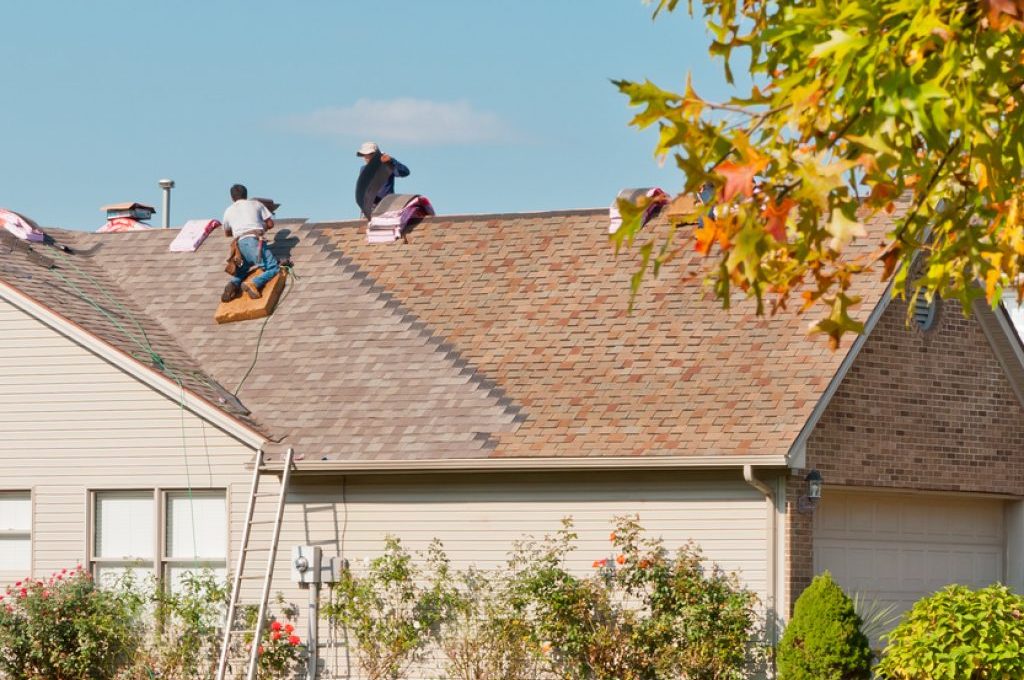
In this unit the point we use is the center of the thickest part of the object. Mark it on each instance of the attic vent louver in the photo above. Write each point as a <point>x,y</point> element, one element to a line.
<point>925,312</point>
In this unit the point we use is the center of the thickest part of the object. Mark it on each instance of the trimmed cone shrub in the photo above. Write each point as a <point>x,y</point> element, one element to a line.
<point>958,634</point>
<point>824,640</point>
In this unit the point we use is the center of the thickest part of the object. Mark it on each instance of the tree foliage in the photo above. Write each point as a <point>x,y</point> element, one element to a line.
<point>852,105</point>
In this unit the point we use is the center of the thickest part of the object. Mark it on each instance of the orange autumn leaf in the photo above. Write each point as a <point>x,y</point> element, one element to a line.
<point>776,214</point>
<point>739,178</point>
<point>707,234</point>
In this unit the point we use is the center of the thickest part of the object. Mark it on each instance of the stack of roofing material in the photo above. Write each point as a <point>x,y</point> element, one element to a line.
<point>21,226</point>
<point>126,217</point>
<point>192,235</point>
<point>393,214</point>
<point>656,200</point>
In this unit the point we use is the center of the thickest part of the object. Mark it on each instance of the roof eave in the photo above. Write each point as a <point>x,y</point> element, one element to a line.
<point>132,366</point>
<point>706,462</point>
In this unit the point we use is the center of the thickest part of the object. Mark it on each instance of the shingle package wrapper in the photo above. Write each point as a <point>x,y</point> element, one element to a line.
<point>393,215</point>
<point>244,308</point>
<point>658,199</point>
<point>122,224</point>
<point>21,226</point>
<point>192,235</point>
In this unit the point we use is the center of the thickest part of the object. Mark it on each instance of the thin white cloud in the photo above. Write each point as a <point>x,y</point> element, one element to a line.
<point>408,121</point>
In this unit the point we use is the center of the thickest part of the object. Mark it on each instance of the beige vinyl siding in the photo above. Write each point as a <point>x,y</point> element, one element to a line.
<point>71,422</point>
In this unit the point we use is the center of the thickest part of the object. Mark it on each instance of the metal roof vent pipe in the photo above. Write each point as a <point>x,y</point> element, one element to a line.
<point>166,185</point>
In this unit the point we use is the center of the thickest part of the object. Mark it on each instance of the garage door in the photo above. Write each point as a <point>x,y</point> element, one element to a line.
<point>896,549</point>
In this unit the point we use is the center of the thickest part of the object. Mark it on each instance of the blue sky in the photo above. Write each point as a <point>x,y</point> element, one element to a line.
<point>495,106</point>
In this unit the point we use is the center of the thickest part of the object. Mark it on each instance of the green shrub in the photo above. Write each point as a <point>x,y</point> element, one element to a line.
<point>823,640</point>
<point>958,634</point>
<point>395,609</point>
<point>643,614</point>
<point>66,628</point>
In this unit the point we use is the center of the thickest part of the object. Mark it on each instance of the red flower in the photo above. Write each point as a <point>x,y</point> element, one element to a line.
<point>289,628</point>
<point>24,592</point>
<point>259,650</point>
<point>294,640</point>
<point>276,635</point>
<point>612,537</point>
<point>621,559</point>
<point>276,625</point>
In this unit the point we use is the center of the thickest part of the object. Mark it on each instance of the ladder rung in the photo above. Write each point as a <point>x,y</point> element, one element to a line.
<point>250,577</point>
<point>250,548</point>
<point>262,521</point>
<point>266,494</point>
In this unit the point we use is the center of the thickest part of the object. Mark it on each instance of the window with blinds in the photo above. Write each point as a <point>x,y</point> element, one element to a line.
<point>164,534</point>
<point>123,535</point>
<point>196,530</point>
<point>15,532</point>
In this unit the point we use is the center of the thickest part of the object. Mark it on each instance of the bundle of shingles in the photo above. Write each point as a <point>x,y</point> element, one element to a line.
<point>656,200</point>
<point>21,226</point>
<point>393,215</point>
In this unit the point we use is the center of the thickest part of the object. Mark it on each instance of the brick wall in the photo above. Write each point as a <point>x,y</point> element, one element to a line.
<point>926,411</point>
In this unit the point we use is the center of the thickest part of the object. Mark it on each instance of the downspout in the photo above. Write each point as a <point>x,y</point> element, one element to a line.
<point>771,614</point>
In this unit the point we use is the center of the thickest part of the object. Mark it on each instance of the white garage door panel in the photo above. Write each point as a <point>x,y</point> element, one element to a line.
<point>897,549</point>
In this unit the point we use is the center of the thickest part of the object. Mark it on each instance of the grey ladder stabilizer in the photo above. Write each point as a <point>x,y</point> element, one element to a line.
<point>261,618</point>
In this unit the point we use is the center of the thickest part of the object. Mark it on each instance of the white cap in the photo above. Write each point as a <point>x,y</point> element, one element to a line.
<point>367,149</point>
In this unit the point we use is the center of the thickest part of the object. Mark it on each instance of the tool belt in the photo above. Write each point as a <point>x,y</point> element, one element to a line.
<point>235,260</point>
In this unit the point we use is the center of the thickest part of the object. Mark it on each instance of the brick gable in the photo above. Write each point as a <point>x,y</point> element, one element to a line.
<point>928,411</point>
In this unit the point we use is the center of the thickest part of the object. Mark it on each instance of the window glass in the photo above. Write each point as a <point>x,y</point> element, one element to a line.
<point>15,532</point>
<point>196,525</point>
<point>124,525</point>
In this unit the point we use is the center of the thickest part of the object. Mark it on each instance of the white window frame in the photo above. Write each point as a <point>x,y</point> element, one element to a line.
<point>161,561</point>
<point>17,533</point>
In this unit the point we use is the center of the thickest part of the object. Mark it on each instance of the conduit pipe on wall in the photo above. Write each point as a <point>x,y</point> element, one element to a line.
<point>771,606</point>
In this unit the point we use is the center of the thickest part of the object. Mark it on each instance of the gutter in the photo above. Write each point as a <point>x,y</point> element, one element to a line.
<point>703,462</point>
<point>773,569</point>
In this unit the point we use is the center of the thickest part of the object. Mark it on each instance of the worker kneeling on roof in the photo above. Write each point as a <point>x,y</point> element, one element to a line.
<point>248,220</point>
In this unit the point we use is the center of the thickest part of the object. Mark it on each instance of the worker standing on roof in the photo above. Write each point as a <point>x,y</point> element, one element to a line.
<point>377,178</point>
<point>248,220</point>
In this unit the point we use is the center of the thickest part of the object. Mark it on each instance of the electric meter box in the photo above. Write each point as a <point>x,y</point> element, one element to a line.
<point>306,563</point>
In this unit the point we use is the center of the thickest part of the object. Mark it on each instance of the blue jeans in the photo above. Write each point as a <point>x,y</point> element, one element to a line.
<point>250,249</point>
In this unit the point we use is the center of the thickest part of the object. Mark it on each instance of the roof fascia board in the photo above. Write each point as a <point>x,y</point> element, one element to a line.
<point>1006,326</point>
<point>536,464</point>
<point>132,366</point>
<point>797,455</point>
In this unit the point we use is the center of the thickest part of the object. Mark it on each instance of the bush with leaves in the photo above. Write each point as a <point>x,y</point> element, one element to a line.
<point>67,628</point>
<point>395,609</point>
<point>486,638</point>
<point>958,634</point>
<point>823,640</point>
<point>644,614</point>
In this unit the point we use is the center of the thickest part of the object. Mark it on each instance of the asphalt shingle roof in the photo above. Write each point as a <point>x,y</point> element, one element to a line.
<point>494,336</point>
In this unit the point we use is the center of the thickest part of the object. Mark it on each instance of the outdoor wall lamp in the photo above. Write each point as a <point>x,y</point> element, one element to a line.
<point>810,501</point>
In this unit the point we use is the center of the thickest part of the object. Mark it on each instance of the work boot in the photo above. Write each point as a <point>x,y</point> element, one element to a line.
<point>231,291</point>
<point>251,290</point>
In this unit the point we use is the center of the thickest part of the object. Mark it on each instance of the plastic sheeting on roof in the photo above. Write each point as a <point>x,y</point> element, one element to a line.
<point>21,226</point>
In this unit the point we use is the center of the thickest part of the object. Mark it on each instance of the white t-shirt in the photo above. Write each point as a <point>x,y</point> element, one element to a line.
<point>246,217</point>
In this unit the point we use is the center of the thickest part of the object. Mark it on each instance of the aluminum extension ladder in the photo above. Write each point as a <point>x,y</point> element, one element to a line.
<point>230,632</point>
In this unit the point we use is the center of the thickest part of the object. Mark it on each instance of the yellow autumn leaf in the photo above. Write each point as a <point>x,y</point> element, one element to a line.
<point>843,230</point>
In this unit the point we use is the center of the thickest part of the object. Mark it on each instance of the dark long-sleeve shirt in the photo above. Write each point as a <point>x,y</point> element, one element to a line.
<point>398,170</point>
